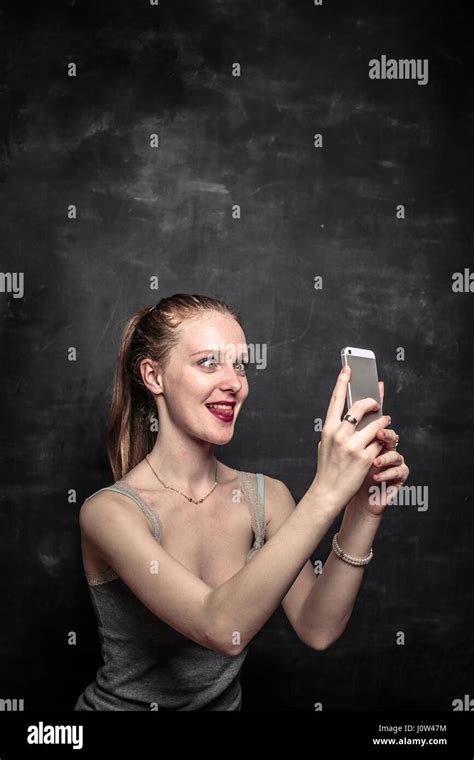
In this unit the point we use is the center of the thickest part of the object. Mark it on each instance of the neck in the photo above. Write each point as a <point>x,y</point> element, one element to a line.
<point>190,468</point>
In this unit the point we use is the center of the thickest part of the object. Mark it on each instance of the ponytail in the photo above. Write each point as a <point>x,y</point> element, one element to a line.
<point>151,333</point>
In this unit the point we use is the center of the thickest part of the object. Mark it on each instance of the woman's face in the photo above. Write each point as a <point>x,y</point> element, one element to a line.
<point>207,366</point>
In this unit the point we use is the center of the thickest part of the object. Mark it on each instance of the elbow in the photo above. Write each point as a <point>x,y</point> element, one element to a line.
<point>223,647</point>
<point>235,650</point>
<point>222,639</point>
<point>319,643</point>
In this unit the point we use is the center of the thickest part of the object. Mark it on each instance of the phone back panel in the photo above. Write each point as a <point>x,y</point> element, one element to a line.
<point>363,383</point>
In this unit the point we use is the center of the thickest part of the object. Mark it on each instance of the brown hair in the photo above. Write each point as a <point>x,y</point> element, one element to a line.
<point>152,332</point>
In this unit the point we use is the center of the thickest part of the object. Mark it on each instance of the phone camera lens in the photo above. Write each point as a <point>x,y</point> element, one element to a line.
<point>349,352</point>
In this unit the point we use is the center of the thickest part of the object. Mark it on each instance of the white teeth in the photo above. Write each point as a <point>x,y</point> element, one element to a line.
<point>219,406</point>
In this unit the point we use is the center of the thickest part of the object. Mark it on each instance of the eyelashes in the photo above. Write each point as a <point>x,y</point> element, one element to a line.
<point>212,358</point>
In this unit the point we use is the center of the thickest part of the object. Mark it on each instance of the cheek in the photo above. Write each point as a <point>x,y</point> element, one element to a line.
<point>197,387</point>
<point>193,386</point>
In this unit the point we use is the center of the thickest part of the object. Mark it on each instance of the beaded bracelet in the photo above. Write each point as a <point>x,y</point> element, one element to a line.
<point>357,561</point>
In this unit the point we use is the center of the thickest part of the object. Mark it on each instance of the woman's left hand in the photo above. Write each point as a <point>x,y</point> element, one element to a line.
<point>389,467</point>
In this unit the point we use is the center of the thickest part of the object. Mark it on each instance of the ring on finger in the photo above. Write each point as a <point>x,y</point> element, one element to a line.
<point>350,418</point>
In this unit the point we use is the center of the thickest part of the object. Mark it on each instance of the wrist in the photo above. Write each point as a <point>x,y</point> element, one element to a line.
<point>325,499</point>
<point>361,508</point>
<point>358,530</point>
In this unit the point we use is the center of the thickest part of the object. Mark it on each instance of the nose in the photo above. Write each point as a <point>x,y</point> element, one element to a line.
<point>230,380</point>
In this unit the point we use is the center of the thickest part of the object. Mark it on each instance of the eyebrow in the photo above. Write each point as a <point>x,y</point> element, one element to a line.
<point>213,351</point>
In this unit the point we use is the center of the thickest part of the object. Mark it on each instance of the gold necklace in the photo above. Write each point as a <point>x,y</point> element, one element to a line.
<point>195,501</point>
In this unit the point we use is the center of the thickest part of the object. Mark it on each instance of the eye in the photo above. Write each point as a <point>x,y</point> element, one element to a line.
<point>203,363</point>
<point>209,359</point>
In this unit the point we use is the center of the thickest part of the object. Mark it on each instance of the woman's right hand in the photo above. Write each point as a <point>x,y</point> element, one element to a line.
<point>346,454</point>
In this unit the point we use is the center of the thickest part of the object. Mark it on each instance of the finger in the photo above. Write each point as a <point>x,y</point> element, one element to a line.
<point>390,457</point>
<point>389,438</point>
<point>374,449</point>
<point>338,398</point>
<point>381,392</point>
<point>368,434</point>
<point>393,473</point>
<point>360,408</point>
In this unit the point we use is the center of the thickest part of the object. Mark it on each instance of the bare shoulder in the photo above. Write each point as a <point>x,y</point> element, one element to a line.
<point>97,513</point>
<point>279,502</point>
<point>119,532</point>
<point>276,489</point>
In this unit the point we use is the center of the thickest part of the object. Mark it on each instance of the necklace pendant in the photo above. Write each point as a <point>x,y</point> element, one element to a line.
<point>189,498</point>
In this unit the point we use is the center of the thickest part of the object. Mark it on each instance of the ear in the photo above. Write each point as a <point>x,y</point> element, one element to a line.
<point>151,376</point>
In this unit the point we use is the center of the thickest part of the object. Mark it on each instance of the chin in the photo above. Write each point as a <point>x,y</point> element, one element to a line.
<point>218,439</point>
<point>209,433</point>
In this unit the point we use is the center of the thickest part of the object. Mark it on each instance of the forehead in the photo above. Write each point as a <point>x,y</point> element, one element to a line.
<point>212,331</point>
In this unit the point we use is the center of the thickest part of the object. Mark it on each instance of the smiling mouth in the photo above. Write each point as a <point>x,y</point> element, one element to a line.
<point>224,412</point>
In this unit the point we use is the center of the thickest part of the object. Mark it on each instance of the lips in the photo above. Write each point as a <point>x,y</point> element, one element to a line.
<point>225,415</point>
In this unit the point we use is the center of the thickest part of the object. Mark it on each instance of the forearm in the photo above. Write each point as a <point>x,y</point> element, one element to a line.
<point>239,608</point>
<point>329,606</point>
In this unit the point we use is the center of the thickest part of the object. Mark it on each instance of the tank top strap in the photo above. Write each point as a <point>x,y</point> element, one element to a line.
<point>123,488</point>
<point>253,487</point>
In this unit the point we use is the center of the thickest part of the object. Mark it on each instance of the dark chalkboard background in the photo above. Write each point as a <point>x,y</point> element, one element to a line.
<point>167,212</point>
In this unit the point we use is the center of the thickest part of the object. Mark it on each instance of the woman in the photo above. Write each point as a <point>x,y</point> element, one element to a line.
<point>166,549</point>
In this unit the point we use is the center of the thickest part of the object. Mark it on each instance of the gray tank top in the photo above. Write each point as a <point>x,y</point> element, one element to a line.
<point>147,664</point>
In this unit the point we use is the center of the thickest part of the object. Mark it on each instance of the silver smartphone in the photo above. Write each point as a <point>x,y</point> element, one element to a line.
<point>364,380</point>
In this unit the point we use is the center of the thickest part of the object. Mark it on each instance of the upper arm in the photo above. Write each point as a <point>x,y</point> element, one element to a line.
<point>166,587</point>
<point>279,504</point>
